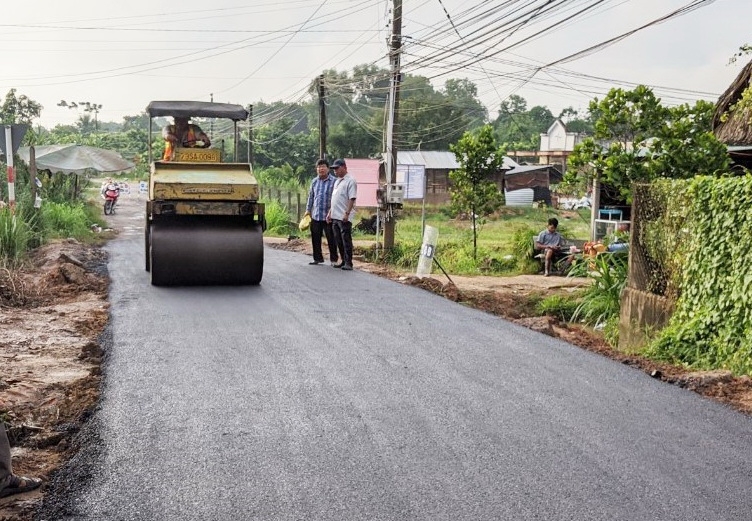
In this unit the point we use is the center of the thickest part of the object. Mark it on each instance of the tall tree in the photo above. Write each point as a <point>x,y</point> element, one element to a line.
<point>685,146</point>
<point>520,128</point>
<point>637,139</point>
<point>277,145</point>
<point>575,123</point>
<point>350,139</point>
<point>141,121</point>
<point>464,97</point>
<point>19,109</point>
<point>473,190</point>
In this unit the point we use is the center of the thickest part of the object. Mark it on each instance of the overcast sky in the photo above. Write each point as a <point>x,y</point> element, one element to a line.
<point>121,55</point>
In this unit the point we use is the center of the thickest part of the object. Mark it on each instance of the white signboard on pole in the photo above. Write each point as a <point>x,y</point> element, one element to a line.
<point>413,179</point>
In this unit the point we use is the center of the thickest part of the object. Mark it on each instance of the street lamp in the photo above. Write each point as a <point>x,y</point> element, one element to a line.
<point>91,107</point>
<point>86,106</point>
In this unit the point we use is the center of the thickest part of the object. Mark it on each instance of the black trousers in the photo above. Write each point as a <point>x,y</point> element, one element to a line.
<point>343,236</point>
<point>6,469</point>
<point>318,229</point>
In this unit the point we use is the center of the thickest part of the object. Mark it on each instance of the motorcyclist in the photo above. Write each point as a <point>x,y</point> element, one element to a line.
<point>107,186</point>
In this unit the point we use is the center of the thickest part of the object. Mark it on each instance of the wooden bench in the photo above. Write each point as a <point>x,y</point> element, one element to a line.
<point>562,257</point>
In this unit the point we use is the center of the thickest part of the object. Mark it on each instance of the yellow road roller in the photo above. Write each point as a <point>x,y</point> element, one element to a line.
<point>204,222</point>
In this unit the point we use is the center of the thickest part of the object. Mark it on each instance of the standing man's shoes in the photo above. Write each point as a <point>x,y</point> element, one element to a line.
<point>19,485</point>
<point>338,265</point>
<point>347,267</point>
<point>313,263</point>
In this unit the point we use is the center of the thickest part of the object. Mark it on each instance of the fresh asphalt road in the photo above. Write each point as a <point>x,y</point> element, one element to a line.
<point>328,395</point>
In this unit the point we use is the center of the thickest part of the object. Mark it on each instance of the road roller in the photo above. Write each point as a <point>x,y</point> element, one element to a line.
<point>204,223</point>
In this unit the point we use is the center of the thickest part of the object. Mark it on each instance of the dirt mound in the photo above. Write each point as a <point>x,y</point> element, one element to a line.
<point>56,272</point>
<point>52,313</point>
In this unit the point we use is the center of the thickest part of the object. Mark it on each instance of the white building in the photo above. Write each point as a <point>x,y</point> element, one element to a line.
<point>556,145</point>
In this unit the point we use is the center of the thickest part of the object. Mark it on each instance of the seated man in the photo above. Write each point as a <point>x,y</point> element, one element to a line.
<point>549,242</point>
<point>183,134</point>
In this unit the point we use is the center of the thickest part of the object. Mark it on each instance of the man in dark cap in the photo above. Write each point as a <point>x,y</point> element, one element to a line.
<point>341,212</point>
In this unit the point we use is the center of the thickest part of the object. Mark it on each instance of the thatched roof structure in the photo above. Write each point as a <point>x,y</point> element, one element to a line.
<point>737,127</point>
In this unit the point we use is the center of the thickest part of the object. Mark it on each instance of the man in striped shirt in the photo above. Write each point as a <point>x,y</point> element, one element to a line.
<point>317,206</point>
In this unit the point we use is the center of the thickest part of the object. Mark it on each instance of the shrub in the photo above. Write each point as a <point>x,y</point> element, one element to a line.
<point>15,235</point>
<point>562,307</point>
<point>61,220</point>
<point>403,255</point>
<point>522,249</point>
<point>601,300</point>
<point>711,327</point>
<point>277,219</point>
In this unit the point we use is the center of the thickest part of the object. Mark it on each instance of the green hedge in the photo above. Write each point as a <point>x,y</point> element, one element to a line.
<point>712,324</point>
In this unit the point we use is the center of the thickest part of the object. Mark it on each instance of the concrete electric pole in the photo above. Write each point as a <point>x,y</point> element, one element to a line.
<point>322,117</point>
<point>395,48</point>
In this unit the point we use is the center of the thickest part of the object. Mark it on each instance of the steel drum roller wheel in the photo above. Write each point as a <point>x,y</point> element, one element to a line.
<point>147,245</point>
<point>206,250</point>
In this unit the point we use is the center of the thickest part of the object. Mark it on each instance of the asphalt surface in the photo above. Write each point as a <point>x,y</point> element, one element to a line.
<point>331,395</point>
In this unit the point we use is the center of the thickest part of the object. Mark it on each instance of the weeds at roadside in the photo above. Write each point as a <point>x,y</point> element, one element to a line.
<point>277,219</point>
<point>15,236</point>
<point>61,220</point>
<point>14,292</point>
<point>602,299</point>
<point>561,307</point>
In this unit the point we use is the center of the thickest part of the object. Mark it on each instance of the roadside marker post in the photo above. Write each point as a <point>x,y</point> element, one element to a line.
<point>14,134</point>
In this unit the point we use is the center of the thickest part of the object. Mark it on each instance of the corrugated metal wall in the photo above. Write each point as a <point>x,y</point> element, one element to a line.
<point>523,197</point>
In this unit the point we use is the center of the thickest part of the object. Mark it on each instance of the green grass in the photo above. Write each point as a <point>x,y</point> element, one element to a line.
<point>63,220</point>
<point>277,219</point>
<point>498,232</point>
<point>562,307</point>
<point>503,240</point>
<point>15,235</point>
<point>602,299</point>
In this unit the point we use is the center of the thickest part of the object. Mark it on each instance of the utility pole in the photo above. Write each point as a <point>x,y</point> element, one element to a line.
<point>595,203</point>
<point>250,135</point>
<point>322,118</point>
<point>395,48</point>
<point>211,124</point>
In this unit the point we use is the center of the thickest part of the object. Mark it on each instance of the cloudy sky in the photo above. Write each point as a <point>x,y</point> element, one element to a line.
<point>121,55</point>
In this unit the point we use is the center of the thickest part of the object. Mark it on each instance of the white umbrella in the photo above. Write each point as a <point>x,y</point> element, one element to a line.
<point>76,159</point>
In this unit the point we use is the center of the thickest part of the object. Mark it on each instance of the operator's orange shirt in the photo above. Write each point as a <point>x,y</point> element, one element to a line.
<point>189,137</point>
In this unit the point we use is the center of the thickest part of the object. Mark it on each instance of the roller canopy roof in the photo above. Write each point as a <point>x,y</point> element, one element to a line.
<point>201,109</point>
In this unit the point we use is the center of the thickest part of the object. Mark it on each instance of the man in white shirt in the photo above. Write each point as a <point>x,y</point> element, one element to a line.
<point>340,213</point>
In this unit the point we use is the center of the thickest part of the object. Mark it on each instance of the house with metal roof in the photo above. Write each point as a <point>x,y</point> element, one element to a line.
<point>731,119</point>
<point>522,184</point>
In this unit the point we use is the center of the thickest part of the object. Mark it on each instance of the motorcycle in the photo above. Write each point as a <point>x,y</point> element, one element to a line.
<point>111,194</point>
